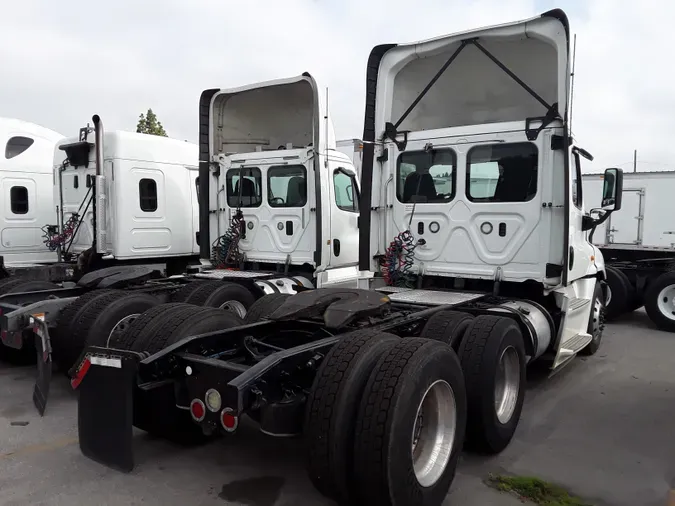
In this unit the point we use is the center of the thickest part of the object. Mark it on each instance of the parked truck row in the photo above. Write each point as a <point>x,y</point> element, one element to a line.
<point>389,323</point>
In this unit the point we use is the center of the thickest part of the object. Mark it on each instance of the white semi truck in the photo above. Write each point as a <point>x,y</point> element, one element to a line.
<point>27,183</point>
<point>638,244</point>
<point>473,263</point>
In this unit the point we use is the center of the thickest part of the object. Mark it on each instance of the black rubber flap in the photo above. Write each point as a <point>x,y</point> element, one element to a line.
<point>105,410</point>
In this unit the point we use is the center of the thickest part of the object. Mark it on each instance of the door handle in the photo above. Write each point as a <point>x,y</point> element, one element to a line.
<point>336,247</point>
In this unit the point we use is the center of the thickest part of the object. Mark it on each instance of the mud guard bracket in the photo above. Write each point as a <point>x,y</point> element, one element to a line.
<point>43,348</point>
<point>105,407</point>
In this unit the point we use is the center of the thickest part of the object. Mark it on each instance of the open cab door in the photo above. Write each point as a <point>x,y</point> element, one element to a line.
<point>259,147</point>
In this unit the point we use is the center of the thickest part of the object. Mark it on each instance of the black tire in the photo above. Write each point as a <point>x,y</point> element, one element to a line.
<point>219,293</point>
<point>332,406</point>
<point>447,326</point>
<point>386,422</point>
<point>98,317</point>
<point>265,306</point>
<point>106,312</point>
<point>621,292</point>
<point>485,341</point>
<point>183,293</point>
<point>144,333</point>
<point>68,321</point>
<point>663,321</point>
<point>167,323</point>
<point>596,322</point>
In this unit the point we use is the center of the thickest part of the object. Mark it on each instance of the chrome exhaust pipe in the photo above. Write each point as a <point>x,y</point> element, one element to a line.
<point>100,204</point>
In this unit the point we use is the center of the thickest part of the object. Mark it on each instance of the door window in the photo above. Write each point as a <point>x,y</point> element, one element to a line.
<point>249,193</point>
<point>287,186</point>
<point>577,192</point>
<point>426,176</point>
<point>346,191</point>
<point>502,173</point>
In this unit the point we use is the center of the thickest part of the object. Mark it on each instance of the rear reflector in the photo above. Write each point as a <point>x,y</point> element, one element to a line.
<point>80,373</point>
<point>197,410</point>
<point>228,420</point>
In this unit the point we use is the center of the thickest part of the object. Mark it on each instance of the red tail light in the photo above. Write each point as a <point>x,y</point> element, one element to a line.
<point>228,420</point>
<point>197,410</point>
<point>80,373</point>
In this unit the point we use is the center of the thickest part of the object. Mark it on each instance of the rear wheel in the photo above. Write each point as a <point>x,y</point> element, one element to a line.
<point>619,293</point>
<point>63,336</point>
<point>492,354</point>
<point>596,323</point>
<point>265,306</point>
<point>410,425</point>
<point>331,408</point>
<point>660,301</point>
<point>224,295</point>
<point>447,326</point>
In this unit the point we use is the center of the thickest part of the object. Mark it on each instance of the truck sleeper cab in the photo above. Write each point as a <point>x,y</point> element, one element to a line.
<point>27,179</point>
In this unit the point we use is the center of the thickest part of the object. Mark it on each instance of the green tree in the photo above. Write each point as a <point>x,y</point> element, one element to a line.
<point>149,124</point>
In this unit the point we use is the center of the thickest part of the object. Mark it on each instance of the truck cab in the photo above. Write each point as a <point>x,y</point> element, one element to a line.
<point>471,178</point>
<point>138,203</point>
<point>26,179</point>
<point>281,197</point>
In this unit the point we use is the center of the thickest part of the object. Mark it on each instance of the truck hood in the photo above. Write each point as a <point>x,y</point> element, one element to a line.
<point>474,88</point>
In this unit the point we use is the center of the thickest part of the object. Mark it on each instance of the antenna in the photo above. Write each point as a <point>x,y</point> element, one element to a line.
<point>574,65</point>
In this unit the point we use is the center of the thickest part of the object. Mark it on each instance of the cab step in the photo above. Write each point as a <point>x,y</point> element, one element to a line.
<point>570,347</point>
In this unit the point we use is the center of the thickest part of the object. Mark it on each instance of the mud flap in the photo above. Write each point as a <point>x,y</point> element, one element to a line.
<point>44,364</point>
<point>105,406</point>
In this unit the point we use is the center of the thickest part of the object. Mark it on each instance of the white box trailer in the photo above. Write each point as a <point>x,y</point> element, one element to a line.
<point>646,217</point>
<point>638,244</point>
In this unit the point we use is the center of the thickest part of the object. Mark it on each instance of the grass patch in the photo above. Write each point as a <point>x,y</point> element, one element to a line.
<point>538,491</point>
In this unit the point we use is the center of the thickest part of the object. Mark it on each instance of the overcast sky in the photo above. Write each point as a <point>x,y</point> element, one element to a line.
<point>62,61</point>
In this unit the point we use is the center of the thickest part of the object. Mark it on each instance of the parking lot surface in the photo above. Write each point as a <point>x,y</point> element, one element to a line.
<point>604,428</point>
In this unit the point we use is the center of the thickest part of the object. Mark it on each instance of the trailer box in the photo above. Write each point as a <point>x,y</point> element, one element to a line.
<point>645,219</point>
<point>353,148</point>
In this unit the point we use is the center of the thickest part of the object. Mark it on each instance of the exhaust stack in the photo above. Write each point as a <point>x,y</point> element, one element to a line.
<point>99,202</point>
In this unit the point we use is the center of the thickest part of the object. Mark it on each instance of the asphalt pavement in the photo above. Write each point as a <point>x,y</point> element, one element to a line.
<point>604,428</point>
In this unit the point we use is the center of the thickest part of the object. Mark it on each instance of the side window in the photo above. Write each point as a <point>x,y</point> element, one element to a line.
<point>502,173</point>
<point>197,188</point>
<point>249,192</point>
<point>287,186</point>
<point>18,196</point>
<point>577,192</point>
<point>346,191</point>
<point>17,145</point>
<point>147,192</point>
<point>426,176</point>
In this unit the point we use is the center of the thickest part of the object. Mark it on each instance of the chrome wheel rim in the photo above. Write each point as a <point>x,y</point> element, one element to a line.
<point>234,306</point>
<point>597,319</point>
<point>433,435</point>
<point>507,384</point>
<point>608,299</point>
<point>121,326</point>
<point>666,302</point>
